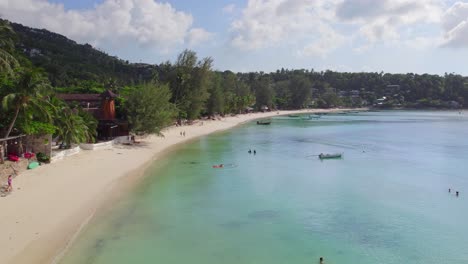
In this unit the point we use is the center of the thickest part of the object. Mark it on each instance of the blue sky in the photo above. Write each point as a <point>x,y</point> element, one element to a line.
<point>264,35</point>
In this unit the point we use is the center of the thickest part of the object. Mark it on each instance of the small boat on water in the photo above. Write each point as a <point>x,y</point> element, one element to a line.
<point>330,156</point>
<point>309,117</point>
<point>263,122</point>
<point>293,115</point>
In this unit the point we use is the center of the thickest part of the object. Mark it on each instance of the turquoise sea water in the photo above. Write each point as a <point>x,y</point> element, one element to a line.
<point>386,201</point>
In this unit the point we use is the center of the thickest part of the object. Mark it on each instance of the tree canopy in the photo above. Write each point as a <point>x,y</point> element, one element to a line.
<point>35,64</point>
<point>148,109</point>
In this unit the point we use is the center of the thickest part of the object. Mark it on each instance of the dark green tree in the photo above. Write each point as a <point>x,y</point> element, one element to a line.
<point>216,101</point>
<point>7,61</point>
<point>149,110</point>
<point>29,99</point>
<point>189,81</point>
<point>300,90</point>
<point>263,92</point>
<point>74,126</point>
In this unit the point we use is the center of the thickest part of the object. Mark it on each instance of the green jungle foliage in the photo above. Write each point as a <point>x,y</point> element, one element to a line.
<point>198,90</point>
<point>28,102</point>
<point>36,64</point>
<point>148,109</point>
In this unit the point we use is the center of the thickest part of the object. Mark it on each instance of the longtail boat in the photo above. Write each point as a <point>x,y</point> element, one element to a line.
<point>263,122</point>
<point>309,117</point>
<point>330,156</point>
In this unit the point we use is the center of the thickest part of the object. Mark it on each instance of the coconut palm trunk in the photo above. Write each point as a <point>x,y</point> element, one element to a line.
<point>7,134</point>
<point>12,124</point>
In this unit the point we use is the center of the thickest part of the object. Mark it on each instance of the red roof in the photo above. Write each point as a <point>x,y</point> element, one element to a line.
<point>108,94</point>
<point>79,97</point>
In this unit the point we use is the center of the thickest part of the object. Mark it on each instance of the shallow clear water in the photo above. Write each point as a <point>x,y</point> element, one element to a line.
<point>386,201</point>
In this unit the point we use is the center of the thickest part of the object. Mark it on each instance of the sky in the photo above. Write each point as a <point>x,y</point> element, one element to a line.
<point>395,36</point>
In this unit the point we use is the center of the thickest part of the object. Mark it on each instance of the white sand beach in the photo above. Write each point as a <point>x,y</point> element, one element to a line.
<point>51,203</point>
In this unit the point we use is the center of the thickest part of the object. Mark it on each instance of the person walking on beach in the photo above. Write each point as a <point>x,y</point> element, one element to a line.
<point>9,187</point>
<point>184,133</point>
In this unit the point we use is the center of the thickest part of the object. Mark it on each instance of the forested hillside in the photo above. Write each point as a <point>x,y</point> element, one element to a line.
<point>36,65</point>
<point>70,64</point>
<point>197,89</point>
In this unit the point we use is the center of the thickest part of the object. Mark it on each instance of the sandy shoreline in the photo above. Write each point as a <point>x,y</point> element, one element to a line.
<point>52,203</point>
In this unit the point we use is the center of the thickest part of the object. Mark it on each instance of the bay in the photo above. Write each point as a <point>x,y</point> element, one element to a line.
<point>385,201</point>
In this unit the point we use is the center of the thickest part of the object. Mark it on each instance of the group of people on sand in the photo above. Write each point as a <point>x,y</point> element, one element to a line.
<point>456,192</point>
<point>182,133</point>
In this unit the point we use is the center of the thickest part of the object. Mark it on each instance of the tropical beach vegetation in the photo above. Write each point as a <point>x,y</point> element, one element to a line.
<point>148,109</point>
<point>38,64</point>
<point>38,67</point>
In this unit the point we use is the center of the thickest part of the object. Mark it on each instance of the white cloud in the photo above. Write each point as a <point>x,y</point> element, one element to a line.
<point>144,22</point>
<point>198,35</point>
<point>420,43</point>
<point>379,30</point>
<point>320,26</point>
<point>407,11</point>
<point>382,20</point>
<point>327,42</point>
<point>229,9</point>
<point>455,25</point>
<point>268,23</point>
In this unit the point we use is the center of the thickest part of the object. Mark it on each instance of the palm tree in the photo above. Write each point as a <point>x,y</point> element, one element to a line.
<point>29,97</point>
<point>73,125</point>
<point>91,124</point>
<point>7,61</point>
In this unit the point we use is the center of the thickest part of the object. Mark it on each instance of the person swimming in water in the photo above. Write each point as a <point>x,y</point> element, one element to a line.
<point>250,151</point>
<point>255,152</point>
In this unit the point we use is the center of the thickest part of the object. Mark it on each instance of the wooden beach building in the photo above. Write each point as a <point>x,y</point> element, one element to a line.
<point>102,107</point>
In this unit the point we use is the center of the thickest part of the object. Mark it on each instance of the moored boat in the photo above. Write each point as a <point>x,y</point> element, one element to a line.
<point>293,115</point>
<point>263,122</point>
<point>330,156</point>
<point>309,117</point>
